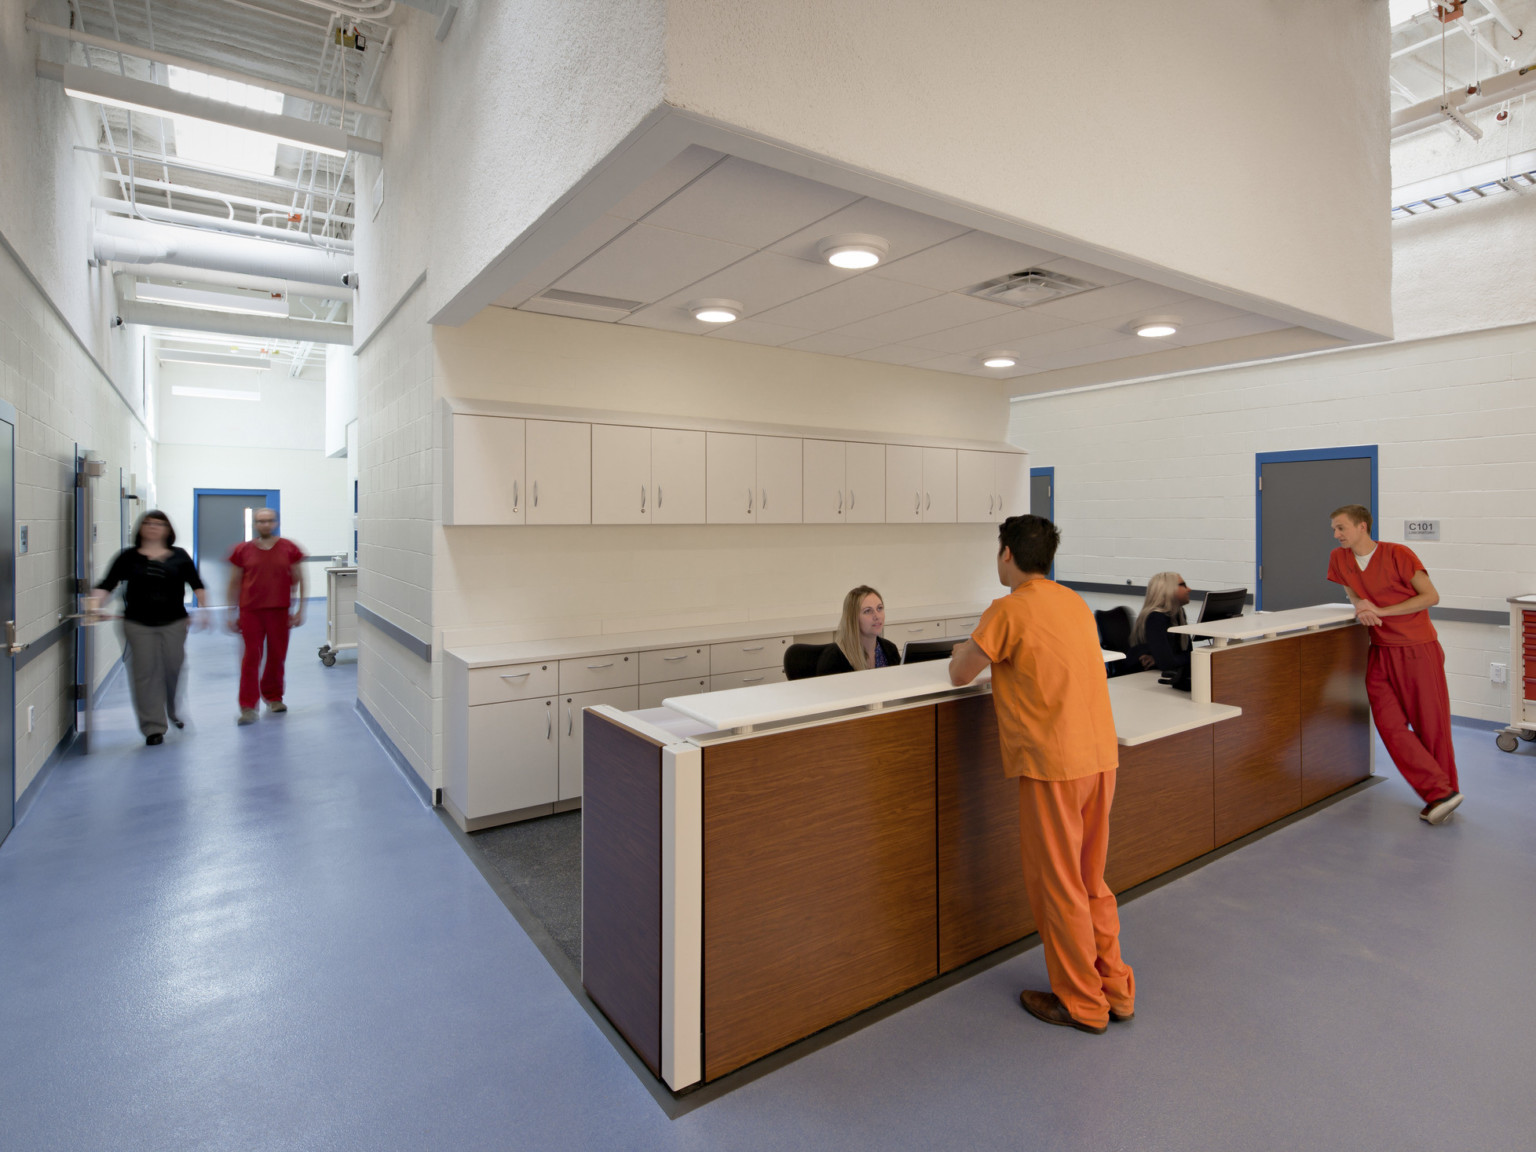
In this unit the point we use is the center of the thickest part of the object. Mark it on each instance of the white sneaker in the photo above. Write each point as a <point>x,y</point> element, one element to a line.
<point>247,716</point>
<point>1440,811</point>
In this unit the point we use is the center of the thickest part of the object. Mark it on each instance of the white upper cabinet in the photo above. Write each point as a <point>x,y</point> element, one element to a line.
<point>1012,484</point>
<point>825,497</point>
<point>731,478</point>
<point>938,485</point>
<point>864,481</point>
<point>486,483</point>
<point>621,475</point>
<point>559,472</point>
<point>677,476</point>
<point>903,484</point>
<point>975,486</point>
<point>779,480</point>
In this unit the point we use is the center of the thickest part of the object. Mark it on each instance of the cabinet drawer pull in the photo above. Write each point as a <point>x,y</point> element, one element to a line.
<point>670,659</point>
<point>595,667</point>
<point>516,675</point>
<point>750,679</point>
<point>759,648</point>
<point>919,628</point>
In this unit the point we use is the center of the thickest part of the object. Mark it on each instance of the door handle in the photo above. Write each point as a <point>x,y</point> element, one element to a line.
<point>917,503</point>
<point>759,648</point>
<point>764,504</point>
<point>839,501</point>
<point>10,639</point>
<point>852,496</point>
<point>749,501</point>
<point>927,503</point>
<point>990,500</point>
<point>516,675</point>
<point>669,659</point>
<point>658,495</point>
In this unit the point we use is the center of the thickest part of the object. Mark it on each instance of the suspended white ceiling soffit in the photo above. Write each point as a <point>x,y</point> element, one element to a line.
<point>716,226</point>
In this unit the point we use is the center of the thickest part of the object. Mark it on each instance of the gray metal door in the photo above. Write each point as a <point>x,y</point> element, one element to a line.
<point>1295,498</point>
<point>222,523</point>
<point>8,606</point>
<point>1042,496</point>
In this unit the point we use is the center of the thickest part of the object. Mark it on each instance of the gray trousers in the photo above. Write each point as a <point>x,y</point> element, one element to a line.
<point>155,656</point>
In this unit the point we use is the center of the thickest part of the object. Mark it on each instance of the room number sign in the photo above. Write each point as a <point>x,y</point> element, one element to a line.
<point>1421,529</point>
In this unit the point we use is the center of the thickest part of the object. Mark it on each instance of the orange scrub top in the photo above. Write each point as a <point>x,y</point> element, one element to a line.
<point>1387,579</point>
<point>1049,687</point>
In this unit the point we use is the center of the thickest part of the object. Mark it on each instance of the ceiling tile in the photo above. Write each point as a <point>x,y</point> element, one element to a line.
<point>756,332</point>
<point>1244,324</point>
<point>857,298</point>
<point>1002,331</point>
<point>1185,311</point>
<point>970,366</point>
<point>567,308</point>
<point>895,354</point>
<point>1116,300</point>
<point>1121,349</point>
<point>964,261</point>
<point>587,241</point>
<point>932,315</point>
<point>830,344</point>
<point>763,280</point>
<point>683,167</point>
<point>1103,277</point>
<point>1068,340</point>
<point>906,232</point>
<point>647,263</point>
<point>668,319</point>
<point>746,203</point>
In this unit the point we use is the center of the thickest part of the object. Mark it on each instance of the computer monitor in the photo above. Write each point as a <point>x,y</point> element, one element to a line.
<point>1223,605</point>
<point>920,650</point>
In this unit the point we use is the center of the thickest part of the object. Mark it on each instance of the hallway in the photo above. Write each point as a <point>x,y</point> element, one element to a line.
<point>260,938</point>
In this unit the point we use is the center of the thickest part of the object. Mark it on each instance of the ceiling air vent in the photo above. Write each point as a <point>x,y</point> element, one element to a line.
<point>564,297</point>
<point>1031,286</point>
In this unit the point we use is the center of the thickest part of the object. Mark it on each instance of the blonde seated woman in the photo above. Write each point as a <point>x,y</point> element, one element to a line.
<point>1151,642</point>
<point>859,643</point>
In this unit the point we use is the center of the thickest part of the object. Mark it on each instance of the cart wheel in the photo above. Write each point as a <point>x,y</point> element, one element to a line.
<point>1528,736</point>
<point>324,649</point>
<point>328,659</point>
<point>1506,741</point>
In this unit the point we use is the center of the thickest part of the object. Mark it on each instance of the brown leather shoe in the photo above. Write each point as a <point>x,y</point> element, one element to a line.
<point>1120,1017</point>
<point>1047,1006</point>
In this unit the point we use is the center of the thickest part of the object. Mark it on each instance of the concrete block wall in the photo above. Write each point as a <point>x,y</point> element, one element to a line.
<point>1160,475</point>
<point>62,398</point>
<point>396,515</point>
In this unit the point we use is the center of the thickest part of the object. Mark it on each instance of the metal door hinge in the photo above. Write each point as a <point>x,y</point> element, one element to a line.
<point>1261,483</point>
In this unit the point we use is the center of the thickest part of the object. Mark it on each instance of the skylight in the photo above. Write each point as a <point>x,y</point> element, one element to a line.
<point>1402,11</point>
<point>219,144</point>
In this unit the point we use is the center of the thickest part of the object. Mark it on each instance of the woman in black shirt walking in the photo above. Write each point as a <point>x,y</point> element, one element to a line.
<point>156,575</point>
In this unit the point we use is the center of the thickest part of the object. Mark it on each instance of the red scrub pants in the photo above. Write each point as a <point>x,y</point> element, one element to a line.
<point>1064,839</point>
<point>262,627</point>
<point>1412,709</point>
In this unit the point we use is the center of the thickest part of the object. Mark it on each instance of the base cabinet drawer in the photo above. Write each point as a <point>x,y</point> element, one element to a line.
<point>568,718</point>
<point>962,627</point>
<point>513,756</point>
<point>901,634</point>
<point>511,682</point>
<point>588,674</point>
<point>674,664</point>
<point>746,678</point>
<point>745,654</point>
<point>651,695</point>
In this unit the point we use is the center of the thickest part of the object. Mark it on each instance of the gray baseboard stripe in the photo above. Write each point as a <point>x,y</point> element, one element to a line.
<point>402,765</point>
<point>34,789</point>
<point>1469,616</point>
<point>44,642</point>
<point>1474,722</point>
<point>399,635</point>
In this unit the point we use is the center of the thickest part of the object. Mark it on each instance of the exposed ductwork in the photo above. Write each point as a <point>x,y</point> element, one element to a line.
<point>219,224</point>
<point>234,323</point>
<point>138,242</point>
<point>1456,105</point>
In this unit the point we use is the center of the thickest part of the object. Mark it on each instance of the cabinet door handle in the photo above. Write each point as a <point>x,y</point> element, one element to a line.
<point>658,495</point>
<point>749,501</point>
<point>549,721</point>
<point>852,497</point>
<point>917,503</point>
<point>570,720</point>
<point>535,493</point>
<point>516,675</point>
<point>927,502</point>
<point>669,659</point>
<point>595,667</point>
<point>839,501</point>
<point>515,499</point>
<point>989,504</point>
<point>642,497</point>
<point>764,504</point>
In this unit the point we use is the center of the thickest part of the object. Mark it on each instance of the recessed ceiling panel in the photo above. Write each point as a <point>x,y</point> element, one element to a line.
<point>1243,324</point>
<point>686,165</point>
<point>1002,331</point>
<point>963,261</point>
<point>646,263</point>
<point>932,315</point>
<point>756,332</point>
<point>1103,303</point>
<point>763,280</point>
<point>895,354</point>
<point>831,344</point>
<point>905,232</point>
<point>745,203</point>
<point>854,299</point>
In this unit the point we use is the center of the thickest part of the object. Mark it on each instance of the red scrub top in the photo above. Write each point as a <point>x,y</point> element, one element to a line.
<point>1387,579</point>
<point>266,573</point>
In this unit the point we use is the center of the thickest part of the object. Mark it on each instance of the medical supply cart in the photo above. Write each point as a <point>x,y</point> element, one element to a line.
<point>1522,673</point>
<point>340,612</point>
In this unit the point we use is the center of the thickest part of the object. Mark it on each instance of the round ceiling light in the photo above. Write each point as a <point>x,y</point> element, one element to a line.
<point>999,360</point>
<point>716,311</point>
<point>1157,328</point>
<point>853,250</point>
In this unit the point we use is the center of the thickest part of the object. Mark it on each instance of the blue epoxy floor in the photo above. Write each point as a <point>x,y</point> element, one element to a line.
<point>260,939</point>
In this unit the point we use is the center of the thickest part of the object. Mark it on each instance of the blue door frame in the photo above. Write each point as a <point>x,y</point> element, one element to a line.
<point>1353,452</point>
<point>1050,512</point>
<point>272,497</point>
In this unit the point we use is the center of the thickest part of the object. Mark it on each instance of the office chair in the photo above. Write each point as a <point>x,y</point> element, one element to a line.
<point>919,650</point>
<point>800,660</point>
<point>1114,626</point>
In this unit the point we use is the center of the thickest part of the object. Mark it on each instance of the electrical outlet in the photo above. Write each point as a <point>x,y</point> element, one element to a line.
<point>1498,673</point>
<point>30,709</point>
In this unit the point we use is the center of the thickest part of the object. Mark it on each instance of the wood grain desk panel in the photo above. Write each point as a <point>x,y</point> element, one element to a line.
<point>621,883</point>
<point>1335,713</point>
<point>982,902</point>
<point>1258,754</point>
<point>819,879</point>
<point>1163,814</point>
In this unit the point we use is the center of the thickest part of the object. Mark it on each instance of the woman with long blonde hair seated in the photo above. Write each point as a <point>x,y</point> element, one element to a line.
<point>859,643</point>
<point>1163,608</point>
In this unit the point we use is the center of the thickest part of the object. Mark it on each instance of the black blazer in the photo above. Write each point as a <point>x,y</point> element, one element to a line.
<point>833,661</point>
<point>1167,649</point>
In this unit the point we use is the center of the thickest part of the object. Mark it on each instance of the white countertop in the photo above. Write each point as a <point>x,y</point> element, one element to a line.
<point>576,647</point>
<point>1146,710</point>
<point>1270,623</point>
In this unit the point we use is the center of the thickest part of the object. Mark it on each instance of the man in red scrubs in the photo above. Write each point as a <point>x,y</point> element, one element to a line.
<point>266,571</point>
<point>1405,678</point>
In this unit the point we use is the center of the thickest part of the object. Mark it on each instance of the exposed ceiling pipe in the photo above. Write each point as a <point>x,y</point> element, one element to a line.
<point>78,37</point>
<point>233,323</point>
<point>159,271</point>
<point>230,198</point>
<point>1460,103</point>
<point>119,155</point>
<point>1497,12</point>
<point>219,224</point>
<point>196,248</point>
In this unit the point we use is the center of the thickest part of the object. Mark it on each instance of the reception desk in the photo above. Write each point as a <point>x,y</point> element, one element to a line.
<point>762,863</point>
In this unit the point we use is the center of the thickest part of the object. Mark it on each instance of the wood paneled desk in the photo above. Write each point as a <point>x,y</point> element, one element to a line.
<point>753,875</point>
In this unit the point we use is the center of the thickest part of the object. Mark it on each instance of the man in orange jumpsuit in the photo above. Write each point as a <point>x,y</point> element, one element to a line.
<point>1405,676</point>
<point>1051,697</point>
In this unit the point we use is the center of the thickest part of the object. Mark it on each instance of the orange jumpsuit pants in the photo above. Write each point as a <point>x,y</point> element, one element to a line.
<point>1064,838</point>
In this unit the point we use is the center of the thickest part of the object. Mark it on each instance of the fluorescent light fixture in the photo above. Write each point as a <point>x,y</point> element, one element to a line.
<point>215,359</point>
<point>853,250</point>
<point>213,393</point>
<point>1402,11</point>
<point>210,301</point>
<point>999,360</point>
<point>1157,329</point>
<point>219,144</point>
<point>716,311</point>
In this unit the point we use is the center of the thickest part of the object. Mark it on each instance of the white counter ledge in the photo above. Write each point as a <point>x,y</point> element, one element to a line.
<point>1270,624</point>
